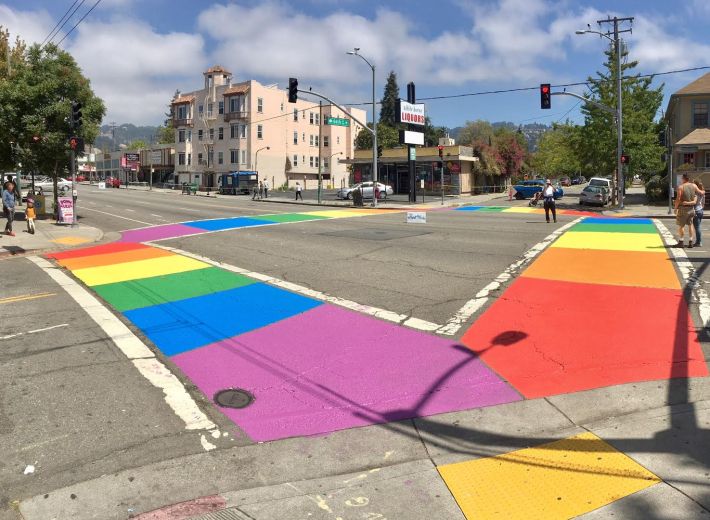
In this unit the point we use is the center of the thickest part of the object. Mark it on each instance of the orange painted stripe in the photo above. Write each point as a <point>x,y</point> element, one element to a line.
<point>114,258</point>
<point>599,266</point>
<point>113,247</point>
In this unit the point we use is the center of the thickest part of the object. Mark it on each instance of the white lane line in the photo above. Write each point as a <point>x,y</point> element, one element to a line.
<point>402,319</point>
<point>688,272</point>
<point>119,216</point>
<point>154,215</point>
<point>176,396</point>
<point>130,210</point>
<point>34,331</point>
<point>472,306</point>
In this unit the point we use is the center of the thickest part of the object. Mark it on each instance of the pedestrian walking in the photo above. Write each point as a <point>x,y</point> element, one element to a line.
<point>261,190</point>
<point>299,191</point>
<point>8,206</point>
<point>30,215</point>
<point>548,197</point>
<point>699,210</point>
<point>685,201</point>
<point>266,188</point>
<point>254,191</point>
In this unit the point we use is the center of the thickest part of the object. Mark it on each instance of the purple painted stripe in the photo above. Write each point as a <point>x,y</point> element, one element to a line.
<point>158,232</point>
<point>331,369</point>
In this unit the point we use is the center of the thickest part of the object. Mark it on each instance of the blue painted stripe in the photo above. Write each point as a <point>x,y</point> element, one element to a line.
<point>469,208</point>
<point>614,220</point>
<point>221,224</point>
<point>194,322</point>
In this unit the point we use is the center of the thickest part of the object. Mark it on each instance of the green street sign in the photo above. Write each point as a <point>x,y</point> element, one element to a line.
<point>337,121</point>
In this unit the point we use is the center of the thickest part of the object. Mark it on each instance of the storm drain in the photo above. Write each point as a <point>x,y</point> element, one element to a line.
<point>233,398</point>
<point>225,514</point>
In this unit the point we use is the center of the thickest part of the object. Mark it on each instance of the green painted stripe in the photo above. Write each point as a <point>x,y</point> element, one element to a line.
<point>491,209</point>
<point>289,217</point>
<point>135,294</point>
<point>614,228</point>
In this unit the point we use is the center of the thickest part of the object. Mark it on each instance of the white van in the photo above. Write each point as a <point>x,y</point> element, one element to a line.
<point>602,182</point>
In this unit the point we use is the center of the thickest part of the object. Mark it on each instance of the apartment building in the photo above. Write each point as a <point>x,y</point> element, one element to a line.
<point>229,126</point>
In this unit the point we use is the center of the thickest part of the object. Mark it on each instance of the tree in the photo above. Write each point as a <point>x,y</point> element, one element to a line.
<point>387,137</point>
<point>37,102</point>
<point>165,134</point>
<point>137,144</point>
<point>511,148</point>
<point>10,151</point>
<point>432,133</point>
<point>388,107</point>
<point>640,105</point>
<point>478,130</point>
<point>557,152</point>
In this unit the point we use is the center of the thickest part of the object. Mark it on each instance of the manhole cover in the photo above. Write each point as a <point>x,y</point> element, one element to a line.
<point>233,398</point>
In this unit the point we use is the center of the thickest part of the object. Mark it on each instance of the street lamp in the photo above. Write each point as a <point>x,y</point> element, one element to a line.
<point>356,52</point>
<point>619,118</point>
<point>330,166</point>
<point>256,158</point>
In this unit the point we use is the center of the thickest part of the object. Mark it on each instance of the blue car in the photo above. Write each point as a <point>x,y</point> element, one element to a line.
<point>528,189</point>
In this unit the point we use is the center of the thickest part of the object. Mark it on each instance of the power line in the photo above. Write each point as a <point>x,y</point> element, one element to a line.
<point>57,24</point>
<point>80,20</point>
<point>55,33</point>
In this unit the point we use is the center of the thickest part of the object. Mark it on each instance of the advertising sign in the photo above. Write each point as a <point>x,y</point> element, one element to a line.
<point>411,113</point>
<point>66,210</point>
<point>407,137</point>
<point>130,161</point>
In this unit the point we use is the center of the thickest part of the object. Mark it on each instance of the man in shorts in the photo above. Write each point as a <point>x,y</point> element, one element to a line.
<point>685,210</point>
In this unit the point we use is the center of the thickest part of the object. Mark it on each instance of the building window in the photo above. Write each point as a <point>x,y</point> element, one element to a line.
<point>234,104</point>
<point>295,138</point>
<point>317,162</point>
<point>303,140</point>
<point>325,162</point>
<point>689,158</point>
<point>259,132</point>
<point>317,140</point>
<point>260,105</point>
<point>210,157</point>
<point>181,136</point>
<point>311,141</point>
<point>304,159</point>
<point>700,114</point>
<point>312,119</point>
<point>295,160</point>
<point>233,156</point>
<point>220,157</point>
<point>182,112</point>
<point>243,132</point>
<point>295,114</point>
<point>310,161</point>
<point>221,107</point>
<point>244,156</point>
<point>233,131</point>
<point>211,134</point>
<point>181,158</point>
<point>201,110</point>
<point>189,159</point>
<point>199,158</point>
<point>199,135</point>
<point>317,119</point>
<point>189,136</point>
<point>325,140</point>
<point>220,133</point>
<point>209,109</point>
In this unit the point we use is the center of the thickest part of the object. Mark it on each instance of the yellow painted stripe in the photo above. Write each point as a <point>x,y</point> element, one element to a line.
<point>611,241</point>
<point>24,297</point>
<point>522,210</point>
<point>138,269</point>
<point>562,479</point>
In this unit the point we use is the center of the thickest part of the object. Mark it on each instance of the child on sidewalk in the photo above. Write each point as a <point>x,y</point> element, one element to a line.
<point>30,215</point>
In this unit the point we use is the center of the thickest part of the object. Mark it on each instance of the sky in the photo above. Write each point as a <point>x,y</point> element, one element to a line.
<point>138,52</point>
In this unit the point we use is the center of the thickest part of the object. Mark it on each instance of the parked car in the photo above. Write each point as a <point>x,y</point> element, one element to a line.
<point>383,191</point>
<point>527,189</point>
<point>112,182</point>
<point>45,184</point>
<point>594,195</point>
<point>565,181</point>
<point>578,180</point>
<point>601,181</point>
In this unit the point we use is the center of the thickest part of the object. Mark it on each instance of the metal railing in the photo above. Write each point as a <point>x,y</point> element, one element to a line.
<point>229,116</point>
<point>182,122</point>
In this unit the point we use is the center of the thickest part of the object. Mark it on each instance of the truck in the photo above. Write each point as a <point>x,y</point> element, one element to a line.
<point>242,181</point>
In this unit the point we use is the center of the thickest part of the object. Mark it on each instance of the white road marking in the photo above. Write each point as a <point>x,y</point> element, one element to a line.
<point>688,272</point>
<point>119,216</point>
<point>475,304</point>
<point>130,210</point>
<point>154,215</point>
<point>176,396</point>
<point>34,331</point>
<point>402,319</point>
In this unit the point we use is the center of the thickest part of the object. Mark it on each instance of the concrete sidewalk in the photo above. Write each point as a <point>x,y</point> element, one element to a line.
<point>49,236</point>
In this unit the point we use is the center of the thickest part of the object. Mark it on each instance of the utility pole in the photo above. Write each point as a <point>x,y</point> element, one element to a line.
<point>669,145</point>
<point>320,150</point>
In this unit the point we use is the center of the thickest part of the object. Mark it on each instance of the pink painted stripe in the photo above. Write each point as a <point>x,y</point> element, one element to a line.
<point>185,510</point>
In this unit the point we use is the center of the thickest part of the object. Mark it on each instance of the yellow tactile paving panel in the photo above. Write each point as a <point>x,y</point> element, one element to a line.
<point>137,270</point>
<point>611,241</point>
<point>558,480</point>
<point>71,241</point>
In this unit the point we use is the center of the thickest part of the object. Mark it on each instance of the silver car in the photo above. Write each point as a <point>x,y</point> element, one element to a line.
<point>366,187</point>
<point>594,195</point>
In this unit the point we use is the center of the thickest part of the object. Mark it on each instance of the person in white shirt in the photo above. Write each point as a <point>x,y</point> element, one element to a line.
<point>266,188</point>
<point>548,197</point>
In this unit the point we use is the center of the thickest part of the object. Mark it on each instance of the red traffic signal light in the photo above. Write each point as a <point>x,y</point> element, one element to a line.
<point>441,151</point>
<point>545,96</point>
<point>36,138</point>
<point>625,158</point>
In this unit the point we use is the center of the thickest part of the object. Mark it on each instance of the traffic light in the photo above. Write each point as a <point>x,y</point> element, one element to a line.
<point>545,96</point>
<point>292,90</point>
<point>625,159</point>
<point>379,151</point>
<point>76,115</point>
<point>441,151</point>
<point>76,144</point>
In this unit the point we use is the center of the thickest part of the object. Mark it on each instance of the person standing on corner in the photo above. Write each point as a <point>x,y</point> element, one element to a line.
<point>685,200</point>
<point>299,191</point>
<point>261,190</point>
<point>548,196</point>
<point>699,210</point>
<point>266,188</point>
<point>8,206</point>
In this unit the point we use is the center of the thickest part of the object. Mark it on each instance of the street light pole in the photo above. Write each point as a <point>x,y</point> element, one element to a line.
<point>355,52</point>
<point>330,166</point>
<point>256,158</point>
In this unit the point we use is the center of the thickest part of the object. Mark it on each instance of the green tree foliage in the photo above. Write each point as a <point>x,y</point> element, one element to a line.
<point>640,131</point>
<point>432,133</point>
<point>166,134</point>
<point>511,150</point>
<point>388,106</point>
<point>138,144</point>
<point>37,102</point>
<point>557,152</point>
<point>387,137</point>
<point>476,131</point>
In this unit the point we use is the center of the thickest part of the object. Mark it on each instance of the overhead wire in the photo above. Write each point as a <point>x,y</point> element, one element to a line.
<point>52,36</point>
<point>57,24</point>
<point>80,20</point>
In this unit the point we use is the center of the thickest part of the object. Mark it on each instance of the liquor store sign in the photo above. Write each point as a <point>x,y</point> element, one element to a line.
<point>411,113</point>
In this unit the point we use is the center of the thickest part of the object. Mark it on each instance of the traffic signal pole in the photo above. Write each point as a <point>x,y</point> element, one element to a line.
<point>411,149</point>
<point>73,186</point>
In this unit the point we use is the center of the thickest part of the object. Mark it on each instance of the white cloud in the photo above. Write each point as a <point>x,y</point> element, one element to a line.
<point>657,50</point>
<point>30,26</point>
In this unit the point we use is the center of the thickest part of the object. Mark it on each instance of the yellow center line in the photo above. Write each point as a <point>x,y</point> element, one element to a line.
<point>23,297</point>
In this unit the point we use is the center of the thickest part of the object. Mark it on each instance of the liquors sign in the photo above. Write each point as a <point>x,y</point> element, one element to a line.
<point>410,113</point>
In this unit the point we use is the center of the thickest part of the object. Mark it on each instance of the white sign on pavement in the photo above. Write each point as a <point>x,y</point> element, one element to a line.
<point>102,185</point>
<point>416,217</point>
<point>66,209</point>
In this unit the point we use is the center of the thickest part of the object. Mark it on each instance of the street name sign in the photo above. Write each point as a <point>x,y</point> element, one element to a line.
<point>337,121</point>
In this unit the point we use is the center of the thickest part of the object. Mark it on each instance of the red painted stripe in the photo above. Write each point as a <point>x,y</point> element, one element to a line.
<point>115,247</point>
<point>185,510</point>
